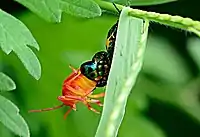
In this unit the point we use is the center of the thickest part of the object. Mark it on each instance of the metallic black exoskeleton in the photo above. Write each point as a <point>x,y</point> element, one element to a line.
<point>103,67</point>
<point>111,38</point>
<point>97,69</point>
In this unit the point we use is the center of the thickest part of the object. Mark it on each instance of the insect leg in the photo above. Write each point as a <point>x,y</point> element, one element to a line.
<point>116,8</point>
<point>92,109</point>
<point>85,102</point>
<point>69,101</point>
<point>97,95</point>
<point>69,97</point>
<point>74,91</point>
<point>73,69</point>
<point>68,111</point>
<point>98,102</point>
<point>47,109</point>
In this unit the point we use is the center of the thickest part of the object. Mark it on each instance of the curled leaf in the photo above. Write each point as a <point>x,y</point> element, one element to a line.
<point>127,61</point>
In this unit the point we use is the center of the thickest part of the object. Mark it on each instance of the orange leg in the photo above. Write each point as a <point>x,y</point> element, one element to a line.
<point>97,95</point>
<point>92,109</point>
<point>86,103</point>
<point>73,97</point>
<point>69,101</point>
<point>47,109</point>
<point>67,113</point>
<point>68,98</point>
<point>73,90</point>
<point>73,69</point>
<point>95,101</point>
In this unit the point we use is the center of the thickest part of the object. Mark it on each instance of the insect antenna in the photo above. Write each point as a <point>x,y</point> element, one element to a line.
<point>116,8</point>
<point>46,109</point>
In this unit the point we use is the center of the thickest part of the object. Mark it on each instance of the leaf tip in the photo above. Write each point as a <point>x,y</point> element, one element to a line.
<point>37,75</point>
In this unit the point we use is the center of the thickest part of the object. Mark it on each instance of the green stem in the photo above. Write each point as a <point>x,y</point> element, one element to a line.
<point>165,19</point>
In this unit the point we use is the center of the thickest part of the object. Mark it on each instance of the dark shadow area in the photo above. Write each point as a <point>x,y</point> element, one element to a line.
<point>11,6</point>
<point>175,122</point>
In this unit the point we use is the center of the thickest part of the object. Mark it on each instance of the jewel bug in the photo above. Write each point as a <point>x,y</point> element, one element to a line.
<point>98,68</point>
<point>80,84</point>
<point>77,88</point>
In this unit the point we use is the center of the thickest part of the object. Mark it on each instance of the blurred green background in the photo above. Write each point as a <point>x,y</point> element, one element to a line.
<point>164,103</point>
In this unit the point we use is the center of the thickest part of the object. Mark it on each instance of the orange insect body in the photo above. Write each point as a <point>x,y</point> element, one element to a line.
<point>77,88</point>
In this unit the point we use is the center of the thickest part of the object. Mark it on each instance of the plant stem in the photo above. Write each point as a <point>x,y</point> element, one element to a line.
<point>165,19</point>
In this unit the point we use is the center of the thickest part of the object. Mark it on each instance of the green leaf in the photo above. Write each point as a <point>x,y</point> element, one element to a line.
<point>140,2</point>
<point>6,83</point>
<point>81,8</point>
<point>51,10</point>
<point>127,62</point>
<point>15,36</point>
<point>10,117</point>
<point>47,9</point>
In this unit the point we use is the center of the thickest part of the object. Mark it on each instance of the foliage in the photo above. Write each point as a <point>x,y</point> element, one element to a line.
<point>9,116</point>
<point>140,2</point>
<point>9,113</point>
<point>15,36</point>
<point>6,83</point>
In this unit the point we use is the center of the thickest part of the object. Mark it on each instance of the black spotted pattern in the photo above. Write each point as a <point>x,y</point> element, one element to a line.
<point>103,67</point>
<point>99,67</point>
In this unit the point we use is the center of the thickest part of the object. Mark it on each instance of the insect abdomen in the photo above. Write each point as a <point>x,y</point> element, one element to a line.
<point>78,84</point>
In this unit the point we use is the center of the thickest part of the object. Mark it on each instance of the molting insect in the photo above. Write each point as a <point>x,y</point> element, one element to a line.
<point>77,88</point>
